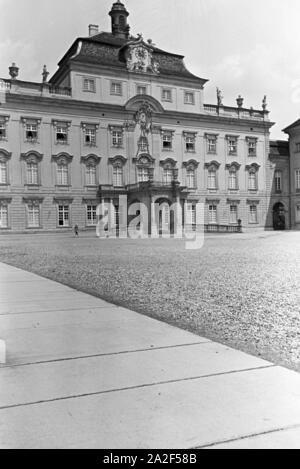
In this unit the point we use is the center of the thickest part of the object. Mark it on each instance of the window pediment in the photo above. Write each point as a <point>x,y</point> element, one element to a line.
<point>5,155</point>
<point>32,156</point>
<point>62,158</point>
<point>91,160</point>
<point>118,160</point>
<point>168,163</point>
<point>253,168</point>
<point>212,165</point>
<point>191,164</point>
<point>233,165</point>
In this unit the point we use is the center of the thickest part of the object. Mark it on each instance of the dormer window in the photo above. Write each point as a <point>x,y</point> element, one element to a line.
<point>89,85</point>
<point>166,95</point>
<point>189,97</point>
<point>116,88</point>
<point>141,89</point>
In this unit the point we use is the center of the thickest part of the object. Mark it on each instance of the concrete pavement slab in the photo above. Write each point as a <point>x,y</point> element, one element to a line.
<point>59,335</point>
<point>107,373</point>
<point>51,304</point>
<point>185,414</point>
<point>282,439</point>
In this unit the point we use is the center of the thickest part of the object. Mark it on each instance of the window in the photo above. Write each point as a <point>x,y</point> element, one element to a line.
<point>3,172</point>
<point>252,214</point>
<point>32,173</point>
<point>143,144</point>
<point>90,136</point>
<point>190,143</point>
<point>297,173</point>
<point>211,144</point>
<point>252,180</point>
<point>233,218</point>
<point>118,176</point>
<point>31,132</point>
<point>166,95</point>
<point>212,215</point>
<point>278,181</point>
<point>167,141</point>
<point>297,213</point>
<point>3,216</point>
<point>143,175</point>
<point>141,89</point>
<point>116,88</point>
<point>252,145</point>
<point>191,178</point>
<point>62,174</point>
<point>212,178</point>
<point>233,180</point>
<point>298,147</point>
<point>191,214</point>
<point>232,145</point>
<point>189,97</point>
<point>2,130</point>
<point>90,175</point>
<point>167,176</point>
<point>33,211</point>
<point>117,138</point>
<point>91,215</point>
<point>89,85</point>
<point>63,215</point>
<point>61,134</point>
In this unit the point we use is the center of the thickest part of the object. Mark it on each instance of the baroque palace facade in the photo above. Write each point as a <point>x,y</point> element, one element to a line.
<point>122,117</point>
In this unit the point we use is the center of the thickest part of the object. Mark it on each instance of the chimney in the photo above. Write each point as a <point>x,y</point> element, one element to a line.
<point>93,29</point>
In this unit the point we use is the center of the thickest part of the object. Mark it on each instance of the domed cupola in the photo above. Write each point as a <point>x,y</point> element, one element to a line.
<point>119,25</point>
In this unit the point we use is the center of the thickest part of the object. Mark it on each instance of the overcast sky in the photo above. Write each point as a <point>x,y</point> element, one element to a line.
<point>244,47</point>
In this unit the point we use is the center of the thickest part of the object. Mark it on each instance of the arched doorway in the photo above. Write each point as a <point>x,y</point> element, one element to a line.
<point>279,222</point>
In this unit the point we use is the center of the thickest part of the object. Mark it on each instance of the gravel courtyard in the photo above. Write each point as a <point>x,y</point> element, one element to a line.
<point>240,290</point>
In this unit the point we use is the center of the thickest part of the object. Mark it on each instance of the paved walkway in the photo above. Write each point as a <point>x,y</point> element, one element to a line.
<point>81,373</point>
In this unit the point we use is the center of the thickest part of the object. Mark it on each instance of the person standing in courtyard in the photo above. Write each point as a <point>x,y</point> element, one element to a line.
<point>76,230</point>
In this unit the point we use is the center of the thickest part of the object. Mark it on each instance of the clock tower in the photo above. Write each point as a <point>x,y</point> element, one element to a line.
<point>119,15</point>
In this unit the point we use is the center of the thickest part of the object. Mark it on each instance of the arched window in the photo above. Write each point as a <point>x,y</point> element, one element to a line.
<point>122,21</point>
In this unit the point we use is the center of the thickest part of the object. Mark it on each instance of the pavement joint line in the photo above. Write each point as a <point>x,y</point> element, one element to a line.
<point>245,437</point>
<point>68,359</point>
<point>62,310</point>
<point>132,388</point>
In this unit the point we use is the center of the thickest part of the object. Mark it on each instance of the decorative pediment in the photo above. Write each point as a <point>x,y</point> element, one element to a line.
<point>64,158</point>
<point>137,102</point>
<point>254,167</point>
<point>33,199</point>
<point>64,200</point>
<point>168,163</point>
<point>233,165</point>
<point>144,160</point>
<point>91,159</point>
<point>253,202</point>
<point>118,160</point>
<point>193,164</point>
<point>233,201</point>
<point>213,201</point>
<point>4,154</point>
<point>32,156</point>
<point>212,164</point>
<point>138,56</point>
